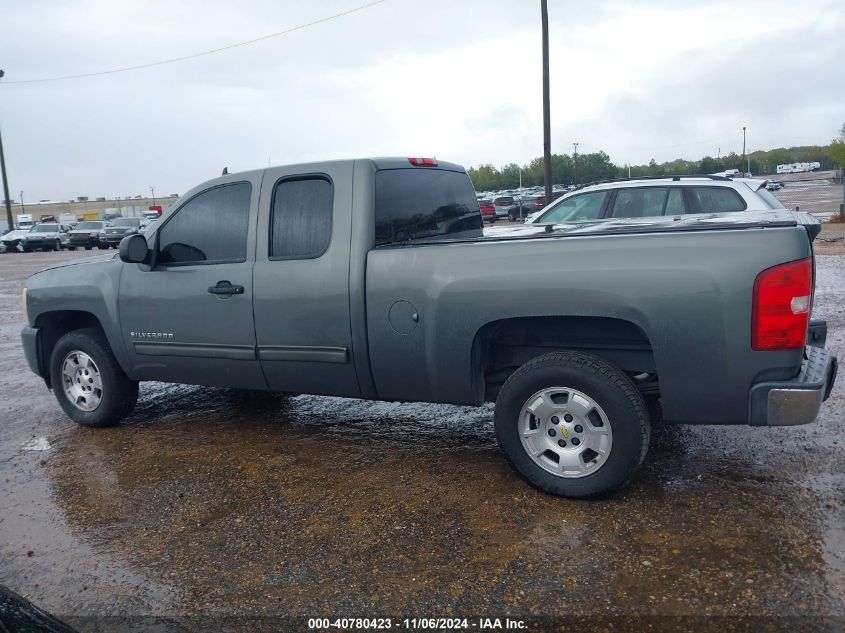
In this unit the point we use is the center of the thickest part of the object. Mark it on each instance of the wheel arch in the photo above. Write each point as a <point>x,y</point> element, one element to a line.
<point>55,324</point>
<point>500,347</point>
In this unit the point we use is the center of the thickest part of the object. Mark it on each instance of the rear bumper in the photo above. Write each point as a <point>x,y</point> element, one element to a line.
<point>796,401</point>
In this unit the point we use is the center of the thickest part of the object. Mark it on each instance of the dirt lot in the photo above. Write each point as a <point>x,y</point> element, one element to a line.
<point>213,510</point>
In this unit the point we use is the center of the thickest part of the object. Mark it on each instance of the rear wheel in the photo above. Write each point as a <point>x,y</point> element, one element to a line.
<point>87,248</point>
<point>572,424</point>
<point>88,382</point>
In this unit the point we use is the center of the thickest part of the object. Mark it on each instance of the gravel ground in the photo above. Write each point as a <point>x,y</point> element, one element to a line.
<point>813,192</point>
<point>208,506</point>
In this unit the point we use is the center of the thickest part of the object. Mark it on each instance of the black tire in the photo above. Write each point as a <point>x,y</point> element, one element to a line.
<point>88,248</point>
<point>119,393</point>
<point>611,389</point>
<point>26,249</point>
<point>57,246</point>
<point>511,216</point>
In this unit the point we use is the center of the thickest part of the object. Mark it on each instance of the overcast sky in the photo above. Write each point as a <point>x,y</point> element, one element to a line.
<point>457,79</point>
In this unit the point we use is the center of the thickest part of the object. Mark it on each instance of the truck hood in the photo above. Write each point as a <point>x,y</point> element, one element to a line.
<point>86,261</point>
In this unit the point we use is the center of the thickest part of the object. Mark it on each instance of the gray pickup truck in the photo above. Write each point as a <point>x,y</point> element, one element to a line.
<point>372,279</point>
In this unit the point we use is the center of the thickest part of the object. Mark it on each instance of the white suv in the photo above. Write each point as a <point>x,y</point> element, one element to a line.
<point>656,196</point>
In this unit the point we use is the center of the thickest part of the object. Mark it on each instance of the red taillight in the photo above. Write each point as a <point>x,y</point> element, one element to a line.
<point>781,306</point>
<point>423,162</point>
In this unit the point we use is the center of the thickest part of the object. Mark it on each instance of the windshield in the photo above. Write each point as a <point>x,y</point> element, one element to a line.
<point>126,222</point>
<point>46,228</point>
<point>89,226</point>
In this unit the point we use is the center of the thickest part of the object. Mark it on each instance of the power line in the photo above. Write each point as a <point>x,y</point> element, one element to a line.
<point>174,60</point>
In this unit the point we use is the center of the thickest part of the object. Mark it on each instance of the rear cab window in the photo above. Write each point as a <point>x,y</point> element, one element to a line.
<point>419,203</point>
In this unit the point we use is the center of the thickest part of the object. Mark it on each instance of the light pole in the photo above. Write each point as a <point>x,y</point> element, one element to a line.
<point>547,125</point>
<point>153,192</point>
<point>576,162</point>
<point>23,209</point>
<point>743,143</point>
<point>5,181</point>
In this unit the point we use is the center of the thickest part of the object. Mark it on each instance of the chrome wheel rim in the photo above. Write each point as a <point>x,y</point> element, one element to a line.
<point>565,432</point>
<point>81,381</point>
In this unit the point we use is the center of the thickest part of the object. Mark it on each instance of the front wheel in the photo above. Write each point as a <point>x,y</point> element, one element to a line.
<point>88,382</point>
<point>572,424</point>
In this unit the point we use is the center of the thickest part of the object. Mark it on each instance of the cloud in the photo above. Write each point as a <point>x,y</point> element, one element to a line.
<point>459,80</point>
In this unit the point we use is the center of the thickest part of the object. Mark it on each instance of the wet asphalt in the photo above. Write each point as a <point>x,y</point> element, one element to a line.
<point>222,504</point>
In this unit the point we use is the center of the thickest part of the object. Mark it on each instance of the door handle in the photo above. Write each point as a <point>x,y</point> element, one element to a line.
<point>226,288</point>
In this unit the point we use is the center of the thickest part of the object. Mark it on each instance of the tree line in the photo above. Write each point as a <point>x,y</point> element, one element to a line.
<point>569,169</point>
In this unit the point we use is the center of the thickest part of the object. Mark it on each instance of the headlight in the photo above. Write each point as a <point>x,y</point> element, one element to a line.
<point>23,305</point>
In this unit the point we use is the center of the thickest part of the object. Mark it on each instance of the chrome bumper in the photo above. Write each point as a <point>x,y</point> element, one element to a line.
<point>795,401</point>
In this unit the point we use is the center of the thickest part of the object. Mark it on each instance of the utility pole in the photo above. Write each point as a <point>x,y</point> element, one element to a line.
<point>547,125</point>
<point>5,181</point>
<point>576,162</point>
<point>153,192</point>
<point>23,209</point>
<point>743,143</point>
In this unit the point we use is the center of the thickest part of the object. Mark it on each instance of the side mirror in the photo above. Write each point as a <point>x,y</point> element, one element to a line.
<point>133,249</point>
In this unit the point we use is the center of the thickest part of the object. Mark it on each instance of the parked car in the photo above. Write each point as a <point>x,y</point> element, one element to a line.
<point>505,207</point>
<point>567,329</point>
<point>117,229</point>
<point>527,204</point>
<point>664,195</point>
<point>488,211</point>
<point>11,240</point>
<point>86,234</point>
<point>774,185</point>
<point>44,236</point>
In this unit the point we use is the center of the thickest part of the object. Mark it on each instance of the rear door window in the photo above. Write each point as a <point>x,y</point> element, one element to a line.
<point>640,202</point>
<point>302,218</point>
<point>587,206</point>
<point>424,203</point>
<point>715,200</point>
